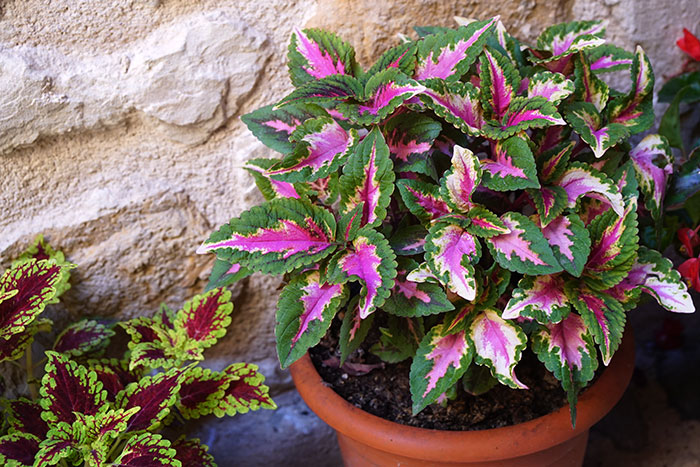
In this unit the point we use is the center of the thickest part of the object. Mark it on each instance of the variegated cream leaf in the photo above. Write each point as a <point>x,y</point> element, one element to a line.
<point>634,110</point>
<point>582,179</point>
<point>653,164</point>
<point>461,179</point>
<point>539,297</point>
<point>552,86</point>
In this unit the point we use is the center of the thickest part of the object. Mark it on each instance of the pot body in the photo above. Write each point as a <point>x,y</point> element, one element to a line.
<point>367,440</point>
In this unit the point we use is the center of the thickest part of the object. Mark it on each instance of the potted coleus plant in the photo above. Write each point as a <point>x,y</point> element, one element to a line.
<point>472,199</point>
<point>98,403</point>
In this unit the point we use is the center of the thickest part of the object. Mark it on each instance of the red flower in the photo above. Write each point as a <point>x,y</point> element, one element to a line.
<point>689,44</point>
<point>690,239</point>
<point>690,270</point>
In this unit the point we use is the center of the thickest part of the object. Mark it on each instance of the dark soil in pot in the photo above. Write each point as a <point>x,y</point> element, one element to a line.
<point>384,391</point>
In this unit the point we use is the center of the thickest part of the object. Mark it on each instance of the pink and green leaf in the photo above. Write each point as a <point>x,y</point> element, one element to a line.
<point>587,123</point>
<point>539,297</point>
<point>608,57</point>
<point>553,162</point>
<point>411,299</point>
<point>191,452</point>
<point>315,54</point>
<point>565,39</point>
<point>550,202</point>
<point>570,242</point>
<point>423,200</point>
<point>305,310</point>
<point>403,57</point>
<point>498,344</point>
<point>147,449</point>
<point>83,337</point>
<point>499,82</point>
<point>409,240</point>
<point>590,88</point>
<point>245,391</point>
<point>410,137</point>
<point>457,103</point>
<point>273,127</point>
<point>484,223</point>
<point>205,317</point>
<point>511,166</point>
<point>329,89</point>
<point>459,182</point>
<point>582,179</point>
<point>524,249</point>
<point>653,164</point>
<point>634,110</point>
<point>662,282</point>
<point>604,318</point>
<point>552,86</point>
<point>523,114</point>
<point>18,449</point>
<point>277,236</point>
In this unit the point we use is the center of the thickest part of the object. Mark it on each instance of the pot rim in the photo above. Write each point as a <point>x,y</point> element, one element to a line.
<point>467,446</point>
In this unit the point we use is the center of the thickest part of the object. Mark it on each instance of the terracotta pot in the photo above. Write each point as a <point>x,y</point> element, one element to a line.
<point>367,440</point>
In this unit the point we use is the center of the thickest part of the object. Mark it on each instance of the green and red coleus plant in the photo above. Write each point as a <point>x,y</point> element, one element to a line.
<point>481,195</point>
<point>97,404</point>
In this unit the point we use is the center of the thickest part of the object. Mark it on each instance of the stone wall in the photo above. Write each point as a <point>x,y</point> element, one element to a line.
<point>120,140</point>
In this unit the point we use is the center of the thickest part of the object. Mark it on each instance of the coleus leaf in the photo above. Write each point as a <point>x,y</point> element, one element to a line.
<point>458,103</point>
<point>662,282</point>
<point>484,223</point>
<point>305,310</point>
<point>608,57</point>
<point>13,347</point>
<point>204,318</point>
<point>83,337</point>
<point>147,449</point>
<point>564,39</point>
<point>441,359</point>
<point>41,250</point>
<point>523,114</point>
<point>399,340</point>
<point>423,200</point>
<point>371,261</point>
<point>450,251</point>
<point>582,179</point>
<point>18,449</point>
<point>269,187</point>
<point>512,166</point>
<point>568,351</point>
<point>550,202</point>
<point>114,375</point>
<point>224,274</point>
<point>191,452</point>
<point>68,388</point>
<point>459,182</point>
<point>412,299</point>
<point>478,380</point>
<point>653,164</point>
<point>409,240</point>
<point>24,416</point>
<point>403,57</point>
<point>570,242</point>
<point>315,54</point>
<point>275,237</point>
<point>368,177</point>
<point>539,297</point>
<point>200,392</point>
<point>329,89</point>
<point>322,146</point>
<point>498,344</point>
<point>58,445</point>
<point>603,316</point>
<point>551,86</point>
<point>590,88</point>
<point>524,249</point>
<point>588,124</point>
<point>34,282</point>
<point>410,138</point>
<point>353,329</point>
<point>634,110</point>
<point>245,391</point>
<point>499,81</point>
<point>273,127</point>
<point>448,55</point>
<point>553,162</point>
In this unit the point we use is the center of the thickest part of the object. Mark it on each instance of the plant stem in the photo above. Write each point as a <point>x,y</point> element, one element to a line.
<point>30,373</point>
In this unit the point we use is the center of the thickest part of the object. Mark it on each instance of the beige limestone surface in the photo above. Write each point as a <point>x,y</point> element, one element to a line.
<point>120,136</point>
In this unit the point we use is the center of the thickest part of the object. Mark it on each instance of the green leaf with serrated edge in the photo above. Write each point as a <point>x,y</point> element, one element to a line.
<point>350,223</point>
<point>656,276</point>
<point>409,240</point>
<point>499,81</point>
<point>589,88</point>
<point>634,110</point>
<point>570,242</point>
<point>58,445</point>
<point>581,179</point>
<point>424,31</point>
<point>83,337</point>
<point>552,163</point>
<point>14,346</point>
<point>550,202</point>
<point>441,359</point>
<point>305,311</point>
<point>147,449</point>
<point>457,103</point>
<point>552,86</point>
<point>368,177</point>
<point>369,260</point>
<point>626,182</point>
<point>273,127</point>
<point>403,57</point>
<point>498,344</point>
<point>484,223</point>
<point>450,251</point>
<point>67,388</point>
<point>459,182</point>
<point>224,274</point>
<point>568,351</point>
<point>412,299</point>
<point>423,200</point>
<point>192,452</point>
<point>653,164</point>
<point>410,137</point>
<point>399,340</point>
<point>587,123</point>
<point>203,320</point>
<point>315,54</point>
<point>511,166</point>
<point>524,249</point>
<point>603,316</point>
<point>539,297</point>
<point>329,89</point>
<point>549,140</point>
<point>478,380</point>
<point>325,190</point>
<point>608,57</point>
<point>448,55</point>
<point>523,114</point>
<point>114,374</point>
<point>41,250</point>
<point>564,39</point>
<point>18,449</point>
<point>245,391</point>
<point>200,392</point>
<point>353,330</point>
<point>275,237</point>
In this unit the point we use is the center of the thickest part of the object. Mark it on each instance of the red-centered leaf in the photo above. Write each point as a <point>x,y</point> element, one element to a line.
<point>550,202</point>
<point>570,242</point>
<point>18,449</point>
<point>423,200</point>
<point>15,345</point>
<point>411,299</point>
<point>539,297</point>
<point>523,114</point>
<point>25,416</point>
<point>459,182</point>
<point>142,329</point>
<point>588,124</point>
<point>269,187</point>
<point>604,318</point>
<point>315,54</point>
<point>608,57</point>
<point>191,452</point>
<point>484,223</point>
<point>553,161</point>
<point>59,444</point>
<point>449,55</point>
<point>368,178</point>
<point>498,344</point>
<point>322,146</point>
<point>634,110</point>
<point>41,250</point>
<point>450,251</point>
<point>67,388</point>
<point>155,395</point>
<point>441,359</point>
<point>590,88</point>
<point>582,179</point>
<point>273,127</point>
<point>305,311</point>
<point>499,80</point>
<point>204,318</point>
<point>200,392</point>
<point>157,355</point>
<point>245,391</point>
<point>112,423</point>
<point>656,276</point>
<point>457,103</point>
<point>84,337</point>
<point>278,236</point>
<point>328,89</point>
<point>372,262</point>
<point>653,164</point>
<point>114,375</point>
<point>524,249</point>
<point>511,166</point>
<point>551,86</point>
<point>34,282</point>
<point>147,449</point>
